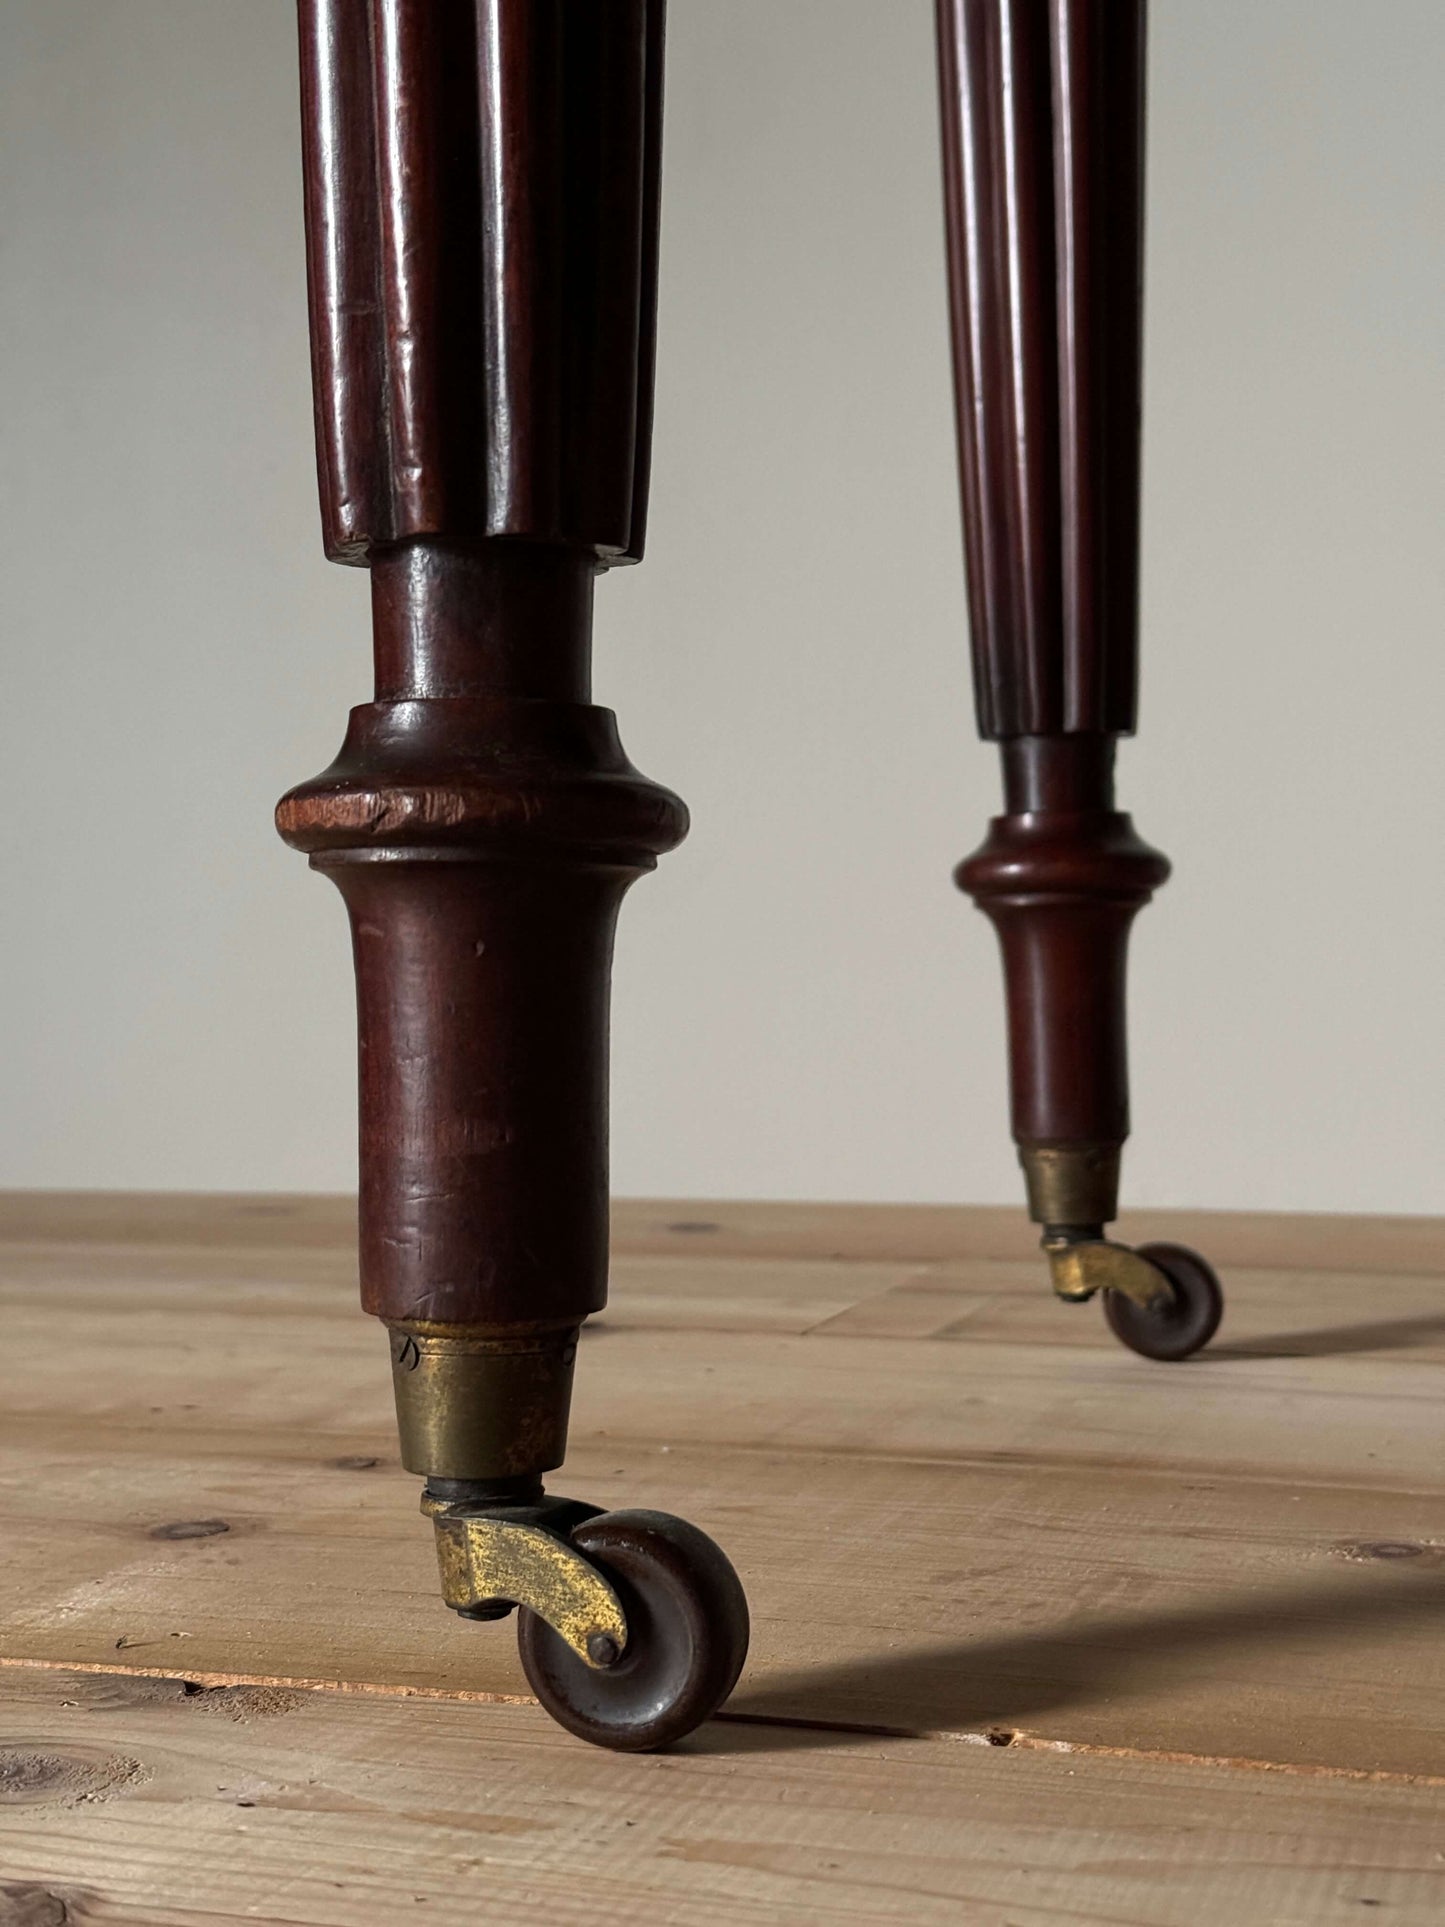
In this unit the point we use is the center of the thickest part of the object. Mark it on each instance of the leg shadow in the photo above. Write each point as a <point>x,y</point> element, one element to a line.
<point>1387,1335</point>
<point>1003,1683</point>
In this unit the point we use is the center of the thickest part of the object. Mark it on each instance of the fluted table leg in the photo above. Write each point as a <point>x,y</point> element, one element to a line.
<point>1043,147</point>
<point>481,207</point>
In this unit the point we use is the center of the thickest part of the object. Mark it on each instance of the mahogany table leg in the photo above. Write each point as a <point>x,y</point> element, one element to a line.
<point>481,204</point>
<point>1043,148</point>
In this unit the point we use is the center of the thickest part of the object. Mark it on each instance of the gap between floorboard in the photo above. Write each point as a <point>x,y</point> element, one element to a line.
<point>998,1737</point>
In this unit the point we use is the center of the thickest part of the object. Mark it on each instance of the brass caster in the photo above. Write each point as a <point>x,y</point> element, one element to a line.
<point>1161,1300</point>
<point>633,1625</point>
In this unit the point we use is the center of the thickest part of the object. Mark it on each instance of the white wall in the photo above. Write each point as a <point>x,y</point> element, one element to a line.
<point>804,1005</point>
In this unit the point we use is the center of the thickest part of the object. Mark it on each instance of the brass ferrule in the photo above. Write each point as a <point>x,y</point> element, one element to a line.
<point>482,1404</point>
<point>1072,1184</point>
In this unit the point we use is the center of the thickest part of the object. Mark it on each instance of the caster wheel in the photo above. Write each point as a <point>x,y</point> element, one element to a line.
<point>687,1636</point>
<point>1183,1325</point>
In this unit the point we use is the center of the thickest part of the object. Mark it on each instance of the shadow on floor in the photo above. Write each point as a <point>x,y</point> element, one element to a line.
<point>1387,1335</point>
<point>984,1684</point>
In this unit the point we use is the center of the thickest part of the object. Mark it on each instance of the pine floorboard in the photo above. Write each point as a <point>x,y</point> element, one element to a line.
<point>1042,1632</point>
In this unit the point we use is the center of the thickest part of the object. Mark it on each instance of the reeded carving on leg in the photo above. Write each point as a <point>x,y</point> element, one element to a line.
<point>1043,150</point>
<point>481,219</point>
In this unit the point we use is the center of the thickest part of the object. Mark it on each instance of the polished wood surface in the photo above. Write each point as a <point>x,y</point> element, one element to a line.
<point>482,205</point>
<point>1043,131</point>
<point>1072,1641</point>
<point>1061,876</point>
<point>481,217</point>
<point>483,847</point>
<point>1043,153</point>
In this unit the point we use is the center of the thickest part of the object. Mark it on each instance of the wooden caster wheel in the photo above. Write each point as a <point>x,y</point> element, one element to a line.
<point>687,1636</point>
<point>1175,1327</point>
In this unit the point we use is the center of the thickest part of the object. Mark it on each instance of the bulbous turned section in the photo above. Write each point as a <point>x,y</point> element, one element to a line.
<point>482,823</point>
<point>1061,877</point>
<point>494,777</point>
<point>483,847</point>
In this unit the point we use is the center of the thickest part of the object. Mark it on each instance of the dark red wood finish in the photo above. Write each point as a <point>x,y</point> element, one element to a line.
<point>1062,885</point>
<point>1043,116</point>
<point>481,219</point>
<point>481,202</point>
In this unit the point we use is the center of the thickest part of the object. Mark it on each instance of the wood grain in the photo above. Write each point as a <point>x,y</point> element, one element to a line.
<point>694,1227</point>
<point>957,1505</point>
<point>1043,1633</point>
<point>133,1801</point>
<point>481,195</point>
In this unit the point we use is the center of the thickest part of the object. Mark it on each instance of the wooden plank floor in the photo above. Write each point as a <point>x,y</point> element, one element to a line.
<point>1043,1633</point>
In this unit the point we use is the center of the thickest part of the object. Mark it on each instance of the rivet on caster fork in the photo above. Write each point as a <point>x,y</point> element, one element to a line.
<point>493,1559</point>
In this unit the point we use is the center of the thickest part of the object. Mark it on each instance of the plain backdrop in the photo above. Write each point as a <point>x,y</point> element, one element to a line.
<point>804,1005</point>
